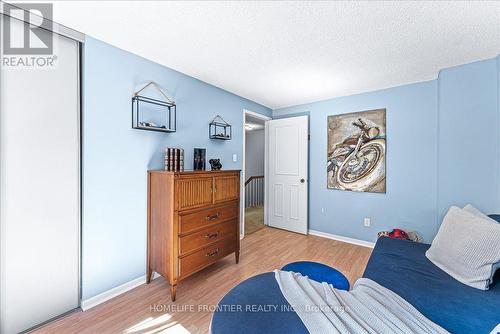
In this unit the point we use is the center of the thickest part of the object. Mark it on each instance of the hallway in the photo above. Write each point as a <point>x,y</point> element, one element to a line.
<point>254,219</point>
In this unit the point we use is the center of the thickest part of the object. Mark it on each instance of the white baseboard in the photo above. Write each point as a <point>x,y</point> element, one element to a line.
<point>112,293</point>
<point>341,238</point>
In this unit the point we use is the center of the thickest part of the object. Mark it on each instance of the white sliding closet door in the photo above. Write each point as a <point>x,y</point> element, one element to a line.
<point>39,190</point>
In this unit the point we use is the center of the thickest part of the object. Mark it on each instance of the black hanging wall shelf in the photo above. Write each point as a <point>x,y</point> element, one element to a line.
<point>219,129</point>
<point>153,114</point>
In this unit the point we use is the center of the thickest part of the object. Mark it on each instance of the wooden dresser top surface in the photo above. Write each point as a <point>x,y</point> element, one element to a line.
<point>196,171</point>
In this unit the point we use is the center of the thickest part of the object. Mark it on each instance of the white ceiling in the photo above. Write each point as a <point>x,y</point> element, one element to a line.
<point>287,53</point>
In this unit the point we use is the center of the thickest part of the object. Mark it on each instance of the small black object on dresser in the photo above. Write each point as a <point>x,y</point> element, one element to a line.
<point>215,164</point>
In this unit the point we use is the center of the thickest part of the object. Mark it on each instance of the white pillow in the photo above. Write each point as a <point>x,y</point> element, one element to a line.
<point>477,212</point>
<point>466,247</point>
<point>470,208</point>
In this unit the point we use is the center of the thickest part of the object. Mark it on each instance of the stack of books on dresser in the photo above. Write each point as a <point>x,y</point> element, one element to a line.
<point>174,159</point>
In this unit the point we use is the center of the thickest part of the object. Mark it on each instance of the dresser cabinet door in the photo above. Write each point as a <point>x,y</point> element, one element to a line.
<point>226,188</point>
<point>194,192</point>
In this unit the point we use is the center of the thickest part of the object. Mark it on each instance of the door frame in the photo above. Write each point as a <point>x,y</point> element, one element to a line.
<point>243,178</point>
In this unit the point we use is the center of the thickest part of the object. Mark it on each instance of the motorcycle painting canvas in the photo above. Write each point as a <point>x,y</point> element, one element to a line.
<point>356,151</point>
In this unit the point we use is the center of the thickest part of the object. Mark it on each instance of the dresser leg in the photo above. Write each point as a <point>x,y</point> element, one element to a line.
<point>237,255</point>
<point>149,275</point>
<point>173,292</point>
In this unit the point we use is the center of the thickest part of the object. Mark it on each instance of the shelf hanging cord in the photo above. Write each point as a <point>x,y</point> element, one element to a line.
<point>159,88</point>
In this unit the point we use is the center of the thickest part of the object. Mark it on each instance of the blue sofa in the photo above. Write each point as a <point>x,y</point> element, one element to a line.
<point>402,267</point>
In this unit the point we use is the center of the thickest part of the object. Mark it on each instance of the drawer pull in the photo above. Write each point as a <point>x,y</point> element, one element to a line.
<point>212,236</point>
<point>212,217</point>
<point>215,252</point>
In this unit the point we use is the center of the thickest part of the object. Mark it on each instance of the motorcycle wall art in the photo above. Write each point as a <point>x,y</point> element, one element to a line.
<point>356,151</point>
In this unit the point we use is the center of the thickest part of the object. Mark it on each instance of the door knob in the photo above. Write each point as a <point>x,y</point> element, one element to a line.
<point>302,180</point>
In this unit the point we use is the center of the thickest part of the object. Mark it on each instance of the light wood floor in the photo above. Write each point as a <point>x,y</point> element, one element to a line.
<point>254,219</point>
<point>262,251</point>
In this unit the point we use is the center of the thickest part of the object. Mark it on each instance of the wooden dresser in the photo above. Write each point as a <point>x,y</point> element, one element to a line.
<point>193,221</point>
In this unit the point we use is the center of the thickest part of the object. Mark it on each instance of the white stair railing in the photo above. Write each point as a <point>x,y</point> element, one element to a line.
<point>254,191</point>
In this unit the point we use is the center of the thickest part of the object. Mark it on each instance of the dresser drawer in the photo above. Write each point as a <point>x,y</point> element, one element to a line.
<point>201,219</point>
<point>207,236</point>
<point>202,258</point>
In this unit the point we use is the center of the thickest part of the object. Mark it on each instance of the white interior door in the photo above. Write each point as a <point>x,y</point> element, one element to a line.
<point>287,173</point>
<point>40,189</point>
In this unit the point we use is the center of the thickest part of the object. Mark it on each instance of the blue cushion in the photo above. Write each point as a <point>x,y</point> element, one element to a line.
<point>496,217</point>
<point>319,272</point>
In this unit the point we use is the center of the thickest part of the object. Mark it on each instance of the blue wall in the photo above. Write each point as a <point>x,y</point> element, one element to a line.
<point>438,134</point>
<point>468,165</point>
<point>410,201</point>
<point>116,157</point>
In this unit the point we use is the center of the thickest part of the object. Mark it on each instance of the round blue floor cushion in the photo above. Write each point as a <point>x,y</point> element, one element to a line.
<point>257,306</point>
<point>320,273</point>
